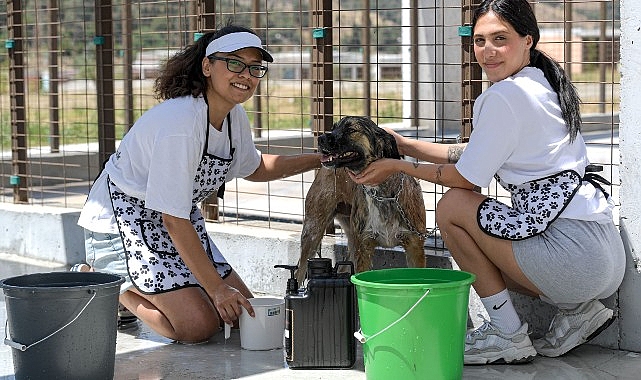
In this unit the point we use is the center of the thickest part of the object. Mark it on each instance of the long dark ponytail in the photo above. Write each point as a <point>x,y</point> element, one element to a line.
<point>520,15</point>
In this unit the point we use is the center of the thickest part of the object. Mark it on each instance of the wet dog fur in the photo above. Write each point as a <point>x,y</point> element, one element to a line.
<point>369,216</point>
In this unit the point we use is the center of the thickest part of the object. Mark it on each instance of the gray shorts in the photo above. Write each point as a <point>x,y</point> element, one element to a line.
<point>573,261</point>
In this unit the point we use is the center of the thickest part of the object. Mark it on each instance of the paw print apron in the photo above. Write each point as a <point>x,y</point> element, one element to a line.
<point>153,262</point>
<point>535,205</point>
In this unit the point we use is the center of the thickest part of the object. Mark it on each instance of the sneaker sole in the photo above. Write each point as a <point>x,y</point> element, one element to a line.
<point>124,325</point>
<point>600,329</point>
<point>553,353</point>
<point>126,314</point>
<point>521,356</point>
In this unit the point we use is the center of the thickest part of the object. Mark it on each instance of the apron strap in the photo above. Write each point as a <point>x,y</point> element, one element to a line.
<point>221,189</point>
<point>596,181</point>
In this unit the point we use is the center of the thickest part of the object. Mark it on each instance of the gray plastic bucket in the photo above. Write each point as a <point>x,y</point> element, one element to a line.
<point>62,325</point>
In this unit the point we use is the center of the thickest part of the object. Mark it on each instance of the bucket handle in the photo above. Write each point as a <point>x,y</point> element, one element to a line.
<point>23,347</point>
<point>361,338</point>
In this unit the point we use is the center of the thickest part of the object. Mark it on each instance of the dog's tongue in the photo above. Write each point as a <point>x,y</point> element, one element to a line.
<point>327,158</point>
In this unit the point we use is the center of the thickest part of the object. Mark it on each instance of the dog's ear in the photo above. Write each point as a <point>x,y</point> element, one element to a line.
<point>336,123</point>
<point>384,143</point>
<point>387,143</point>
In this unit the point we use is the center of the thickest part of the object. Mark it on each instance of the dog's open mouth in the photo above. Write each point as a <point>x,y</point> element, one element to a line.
<point>339,160</point>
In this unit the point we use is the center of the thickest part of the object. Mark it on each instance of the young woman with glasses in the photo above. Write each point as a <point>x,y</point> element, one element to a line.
<point>142,219</point>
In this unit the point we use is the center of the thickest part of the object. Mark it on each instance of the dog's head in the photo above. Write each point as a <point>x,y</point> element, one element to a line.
<point>354,143</point>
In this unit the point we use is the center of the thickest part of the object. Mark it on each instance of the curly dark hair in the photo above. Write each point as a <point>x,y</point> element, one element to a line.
<point>182,74</point>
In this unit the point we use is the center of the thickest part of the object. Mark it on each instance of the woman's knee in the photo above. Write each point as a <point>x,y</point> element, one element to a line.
<point>446,206</point>
<point>185,315</point>
<point>199,327</point>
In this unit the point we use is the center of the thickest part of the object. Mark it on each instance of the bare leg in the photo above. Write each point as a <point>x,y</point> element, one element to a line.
<point>492,261</point>
<point>185,315</point>
<point>489,258</point>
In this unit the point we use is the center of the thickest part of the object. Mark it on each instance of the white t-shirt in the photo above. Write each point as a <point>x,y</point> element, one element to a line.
<point>159,156</point>
<point>519,133</point>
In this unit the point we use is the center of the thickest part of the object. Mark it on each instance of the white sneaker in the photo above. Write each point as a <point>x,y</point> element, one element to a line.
<point>487,345</point>
<point>80,267</point>
<point>570,328</point>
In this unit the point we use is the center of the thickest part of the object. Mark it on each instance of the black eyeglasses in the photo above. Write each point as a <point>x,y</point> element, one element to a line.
<point>236,66</point>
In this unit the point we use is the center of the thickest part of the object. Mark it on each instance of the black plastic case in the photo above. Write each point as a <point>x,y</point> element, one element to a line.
<point>320,319</point>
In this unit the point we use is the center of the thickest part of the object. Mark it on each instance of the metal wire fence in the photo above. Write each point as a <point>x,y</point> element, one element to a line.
<point>75,74</point>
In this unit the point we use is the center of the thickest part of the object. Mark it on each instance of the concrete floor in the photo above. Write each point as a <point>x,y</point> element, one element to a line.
<point>141,354</point>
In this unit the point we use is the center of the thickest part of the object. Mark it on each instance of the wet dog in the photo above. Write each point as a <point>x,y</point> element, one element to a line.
<point>387,215</point>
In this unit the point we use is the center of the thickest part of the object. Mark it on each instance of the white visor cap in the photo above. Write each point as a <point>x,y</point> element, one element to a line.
<point>236,41</point>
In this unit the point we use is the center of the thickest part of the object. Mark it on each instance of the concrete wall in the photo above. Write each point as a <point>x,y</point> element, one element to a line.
<point>46,233</point>
<point>253,252</point>
<point>630,172</point>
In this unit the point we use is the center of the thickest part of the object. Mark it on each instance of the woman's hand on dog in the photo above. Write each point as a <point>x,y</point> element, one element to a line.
<point>376,172</point>
<point>400,140</point>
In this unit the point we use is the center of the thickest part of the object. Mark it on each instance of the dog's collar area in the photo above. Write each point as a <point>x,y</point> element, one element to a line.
<point>372,193</point>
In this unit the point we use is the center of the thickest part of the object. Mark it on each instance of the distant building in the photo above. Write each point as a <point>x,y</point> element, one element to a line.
<point>583,47</point>
<point>148,62</point>
<point>296,64</point>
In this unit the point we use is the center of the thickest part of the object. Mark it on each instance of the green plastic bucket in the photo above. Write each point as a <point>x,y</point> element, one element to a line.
<point>62,325</point>
<point>413,322</point>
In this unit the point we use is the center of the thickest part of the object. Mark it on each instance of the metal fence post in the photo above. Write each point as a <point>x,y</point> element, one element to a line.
<point>471,74</point>
<point>105,80</point>
<point>18,102</point>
